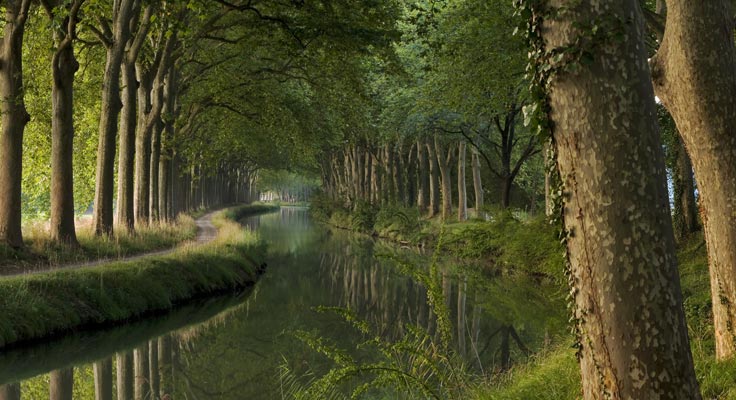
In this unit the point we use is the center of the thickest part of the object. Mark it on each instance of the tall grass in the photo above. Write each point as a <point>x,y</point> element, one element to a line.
<point>42,252</point>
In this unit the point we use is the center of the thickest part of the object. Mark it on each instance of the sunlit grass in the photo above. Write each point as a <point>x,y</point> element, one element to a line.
<point>36,306</point>
<point>41,251</point>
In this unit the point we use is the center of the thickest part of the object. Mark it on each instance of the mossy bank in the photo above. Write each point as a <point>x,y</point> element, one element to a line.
<point>49,304</point>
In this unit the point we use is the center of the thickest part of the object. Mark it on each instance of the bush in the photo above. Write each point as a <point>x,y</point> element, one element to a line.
<point>397,221</point>
<point>363,217</point>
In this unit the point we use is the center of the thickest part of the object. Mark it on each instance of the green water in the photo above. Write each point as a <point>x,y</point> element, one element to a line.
<point>231,347</point>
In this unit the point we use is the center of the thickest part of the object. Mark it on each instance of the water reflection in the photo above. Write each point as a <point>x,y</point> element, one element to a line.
<point>230,348</point>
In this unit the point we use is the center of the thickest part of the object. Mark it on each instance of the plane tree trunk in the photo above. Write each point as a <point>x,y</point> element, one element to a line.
<point>628,311</point>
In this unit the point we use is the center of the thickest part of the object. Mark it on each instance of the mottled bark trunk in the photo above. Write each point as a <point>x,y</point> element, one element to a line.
<point>64,67</point>
<point>693,75</point>
<point>142,149</point>
<point>125,213</point>
<point>125,216</point>
<point>625,284</point>
<point>111,105</point>
<point>103,379</point>
<point>477,182</point>
<point>61,384</point>
<point>462,191</point>
<point>14,119</point>
<point>124,375</point>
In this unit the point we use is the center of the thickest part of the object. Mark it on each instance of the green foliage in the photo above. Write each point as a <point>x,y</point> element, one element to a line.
<point>398,222</point>
<point>363,216</point>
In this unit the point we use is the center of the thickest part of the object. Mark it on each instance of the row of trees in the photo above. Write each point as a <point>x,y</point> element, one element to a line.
<point>459,91</point>
<point>160,106</point>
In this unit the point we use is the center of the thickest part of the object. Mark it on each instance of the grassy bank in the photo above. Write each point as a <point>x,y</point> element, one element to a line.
<point>39,306</point>
<point>514,245</point>
<point>41,252</point>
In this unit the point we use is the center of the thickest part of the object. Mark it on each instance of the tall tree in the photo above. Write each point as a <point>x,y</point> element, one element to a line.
<point>125,213</point>
<point>114,35</point>
<point>64,65</point>
<point>699,90</point>
<point>625,285</point>
<point>14,120</point>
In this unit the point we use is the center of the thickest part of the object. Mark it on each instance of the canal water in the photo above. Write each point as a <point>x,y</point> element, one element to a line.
<point>251,345</point>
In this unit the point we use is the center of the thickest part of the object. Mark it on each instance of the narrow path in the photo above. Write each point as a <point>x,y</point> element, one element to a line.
<point>206,232</point>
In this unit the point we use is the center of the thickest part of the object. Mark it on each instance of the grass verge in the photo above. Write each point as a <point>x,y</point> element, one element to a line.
<point>41,252</point>
<point>39,306</point>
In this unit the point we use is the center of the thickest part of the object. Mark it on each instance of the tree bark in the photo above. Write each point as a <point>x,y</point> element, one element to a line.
<point>693,75</point>
<point>64,65</point>
<point>61,384</point>
<point>625,285</point>
<point>124,375</point>
<point>685,218</point>
<point>434,184</point>
<point>10,391</point>
<point>462,191</point>
<point>103,379</point>
<point>477,182</point>
<point>14,119</point>
<point>125,215</point>
<point>111,105</point>
<point>444,167</point>
<point>141,388</point>
<point>423,175</point>
<point>142,148</point>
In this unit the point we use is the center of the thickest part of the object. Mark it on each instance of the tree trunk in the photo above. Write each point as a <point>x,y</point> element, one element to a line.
<point>10,391</point>
<point>434,184</point>
<point>462,191</point>
<point>423,175</point>
<point>623,270</point>
<point>693,74</point>
<point>685,212</point>
<point>111,105</point>
<point>124,375</point>
<point>64,67</point>
<point>61,384</point>
<point>14,119</point>
<point>125,215</point>
<point>153,214</point>
<point>153,368</point>
<point>477,182</point>
<point>506,183</point>
<point>103,379</point>
<point>142,148</point>
<point>444,167</point>
<point>141,389</point>
<point>164,366</point>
